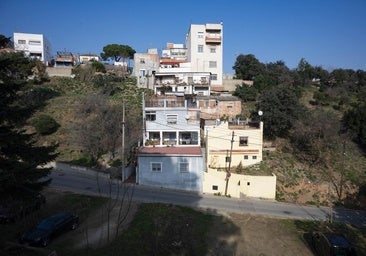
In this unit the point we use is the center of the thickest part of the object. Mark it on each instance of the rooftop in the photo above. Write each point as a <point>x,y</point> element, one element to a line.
<point>194,151</point>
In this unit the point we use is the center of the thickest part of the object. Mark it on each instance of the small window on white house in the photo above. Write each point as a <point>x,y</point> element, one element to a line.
<point>200,34</point>
<point>183,167</point>
<point>172,119</point>
<point>150,115</point>
<point>212,50</point>
<point>246,157</point>
<point>21,41</point>
<point>200,48</point>
<point>142,72</point>
<point>215,187</point>
<point>213,76</point>
<point>254,157</point>
<point>156,167</point>
<point>243,141</point>
<point>142,60</point>
<point>34,42</point>
<point>212,64</point>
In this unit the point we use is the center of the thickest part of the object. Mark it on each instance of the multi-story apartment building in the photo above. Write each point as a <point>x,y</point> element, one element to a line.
<point>33,46</point>
<point>204,44</point>
<point>190,69</point>
<point>171,156</point>
<point>145,66</point>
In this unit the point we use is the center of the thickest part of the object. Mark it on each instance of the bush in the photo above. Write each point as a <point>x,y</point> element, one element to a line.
<point>98,66</point>
<point>85,160</point>
<point>45,124</point>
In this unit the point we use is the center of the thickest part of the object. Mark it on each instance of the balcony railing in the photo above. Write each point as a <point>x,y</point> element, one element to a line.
<point>236,124</point>
<point>213,39</point>
<point>160,103</point>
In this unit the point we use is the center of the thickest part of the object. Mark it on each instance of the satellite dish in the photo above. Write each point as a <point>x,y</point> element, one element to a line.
<point>260,113</point>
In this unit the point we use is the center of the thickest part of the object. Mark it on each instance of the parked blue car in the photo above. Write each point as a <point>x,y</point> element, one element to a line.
<point>49,228</point>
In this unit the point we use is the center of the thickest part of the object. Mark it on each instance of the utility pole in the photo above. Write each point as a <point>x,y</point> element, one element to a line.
<point>228,170</point>
<point>123,143</point>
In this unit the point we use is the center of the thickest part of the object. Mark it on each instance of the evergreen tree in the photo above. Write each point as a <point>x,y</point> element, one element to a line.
<point>21,159</point>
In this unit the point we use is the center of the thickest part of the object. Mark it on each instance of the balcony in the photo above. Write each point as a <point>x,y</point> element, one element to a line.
<point>164,102</point>
<point>213,39</point>
<point>236,124</point>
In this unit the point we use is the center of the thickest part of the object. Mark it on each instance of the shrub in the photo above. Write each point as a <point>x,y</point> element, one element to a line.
<point>45,124</point>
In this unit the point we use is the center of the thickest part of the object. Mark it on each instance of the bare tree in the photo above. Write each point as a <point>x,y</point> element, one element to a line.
<point>98,128</point>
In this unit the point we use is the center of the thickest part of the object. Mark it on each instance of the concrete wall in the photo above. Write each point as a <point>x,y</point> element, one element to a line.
<point>170,175</point>
<point>93,172</point>
<point>231,84</point>
<point>240,186</point>
<point>80,169</point>
<point>59,71</point>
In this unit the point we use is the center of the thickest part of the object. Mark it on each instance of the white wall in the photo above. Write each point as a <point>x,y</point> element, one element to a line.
<point>240,186</point>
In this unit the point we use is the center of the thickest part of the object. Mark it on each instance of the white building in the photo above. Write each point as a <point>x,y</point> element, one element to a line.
<point>145,64</point>
<point>87,57</point>
<point>33,46</point>
<point>171,156</point>
<point>205,50</point>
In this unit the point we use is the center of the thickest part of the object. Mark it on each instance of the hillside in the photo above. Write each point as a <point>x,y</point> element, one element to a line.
<point>296,181</point>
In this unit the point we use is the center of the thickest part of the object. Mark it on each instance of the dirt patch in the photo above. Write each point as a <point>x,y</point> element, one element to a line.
<point>256,235</point>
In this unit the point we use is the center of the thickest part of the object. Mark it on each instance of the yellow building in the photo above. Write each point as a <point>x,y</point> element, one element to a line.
<point>228,145</point>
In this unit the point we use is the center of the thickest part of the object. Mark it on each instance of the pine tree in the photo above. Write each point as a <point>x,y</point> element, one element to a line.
<point>21,159</point>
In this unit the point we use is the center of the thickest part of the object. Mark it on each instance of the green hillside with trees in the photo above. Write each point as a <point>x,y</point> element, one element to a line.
<point>316,119</point>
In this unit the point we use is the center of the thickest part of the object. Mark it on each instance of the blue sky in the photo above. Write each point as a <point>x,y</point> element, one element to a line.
<point>327,33</point>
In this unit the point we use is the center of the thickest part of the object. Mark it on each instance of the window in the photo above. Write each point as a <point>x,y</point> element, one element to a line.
<point>156,167</point>
<point>154,136</point>
<point>254,157</point>
<point>21,41</point>
<point>200,34</point>
<point>200,48</point>
<point>213,76</point>
<point>172,119</point>
<point>212,50</point>
<point>212,64</point>
<point>246,157</point>
<point>150,115</point>
<point>215,187</point>
<point>34,42</point>
<point>229,105</point>
<point>142,60</point>
<point>142,72</point>
<point>184,167</point>
<point>243,141</point>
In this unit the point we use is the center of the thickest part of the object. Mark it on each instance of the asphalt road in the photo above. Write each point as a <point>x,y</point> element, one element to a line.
<point>99,185</point>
